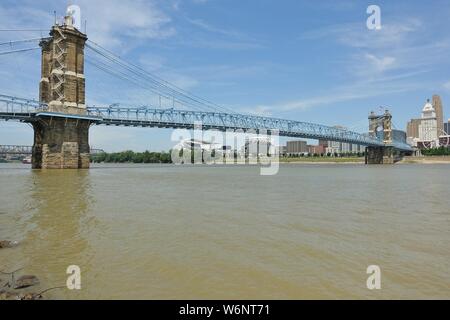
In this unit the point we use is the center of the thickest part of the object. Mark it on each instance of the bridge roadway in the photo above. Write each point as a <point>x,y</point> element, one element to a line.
<point>23,110</point>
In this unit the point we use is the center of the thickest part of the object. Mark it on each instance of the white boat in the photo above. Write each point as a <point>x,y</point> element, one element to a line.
<point>26,160</point>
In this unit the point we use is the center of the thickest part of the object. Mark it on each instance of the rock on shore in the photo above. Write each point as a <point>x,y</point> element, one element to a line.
<point>8,244</point>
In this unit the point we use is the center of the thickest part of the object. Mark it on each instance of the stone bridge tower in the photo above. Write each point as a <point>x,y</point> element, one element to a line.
<point>61,133</point>
<point>380,125</point>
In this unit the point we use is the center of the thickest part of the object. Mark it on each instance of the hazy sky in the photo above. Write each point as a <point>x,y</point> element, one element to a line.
<point>312,61</point>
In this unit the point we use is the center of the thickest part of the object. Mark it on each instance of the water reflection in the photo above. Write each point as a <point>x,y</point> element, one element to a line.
<point>60,224</point>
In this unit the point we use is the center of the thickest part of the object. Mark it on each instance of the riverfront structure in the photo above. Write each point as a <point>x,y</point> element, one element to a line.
<point>294,148</point>
<point>427,131</point>
<point>447,127</point>
<point>439,110</point>
<point>428,127</point>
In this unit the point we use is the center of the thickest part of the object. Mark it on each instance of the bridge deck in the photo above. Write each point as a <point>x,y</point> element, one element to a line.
<point>12,108</point>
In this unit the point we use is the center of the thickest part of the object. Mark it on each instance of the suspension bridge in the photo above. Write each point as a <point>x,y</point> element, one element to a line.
<point>61,119</point>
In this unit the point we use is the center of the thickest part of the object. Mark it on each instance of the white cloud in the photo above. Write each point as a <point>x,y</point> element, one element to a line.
<point>380,64</point>
<point>217,37</point>
<point>207,27</point>
<point>358,36</point>
<point>446,86</point>
<point>110,22</point>
<point>351,92</point>
<point>181,81</point>
<point>259,111</point>
<point>176,5</point>
<point>24,17</point>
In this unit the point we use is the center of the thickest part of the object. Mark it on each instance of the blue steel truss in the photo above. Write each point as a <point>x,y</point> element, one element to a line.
<point>15,150</point>
<point>12,108</point>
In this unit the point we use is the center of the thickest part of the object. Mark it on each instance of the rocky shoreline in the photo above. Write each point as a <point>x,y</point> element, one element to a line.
<point>14,286</point>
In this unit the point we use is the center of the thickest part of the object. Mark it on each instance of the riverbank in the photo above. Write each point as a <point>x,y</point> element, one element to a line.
<point>322,160</point>
<point>426,160</point>
<point>361,160</point>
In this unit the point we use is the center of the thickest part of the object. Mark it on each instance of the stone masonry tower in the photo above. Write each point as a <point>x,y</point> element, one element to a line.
<point>62,83</point>
<point>380,155</point>
<point>61,136</point>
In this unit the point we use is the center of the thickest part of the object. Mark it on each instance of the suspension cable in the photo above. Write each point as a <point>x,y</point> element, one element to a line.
<point>123,76</point>
<point>154,86</point>
<point>17,51</point>
<point>134,72</point>
<point>157,80</point>
<point>22,41</point>
<point>23,30</point>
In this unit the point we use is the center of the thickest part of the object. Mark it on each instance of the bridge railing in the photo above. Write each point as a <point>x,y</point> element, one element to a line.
<point>224,121</point>
<point>15,105</point>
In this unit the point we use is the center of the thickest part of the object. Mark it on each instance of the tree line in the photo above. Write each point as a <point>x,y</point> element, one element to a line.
<point>441,151</point>
<point>132,157</point>
<point>165,157</point>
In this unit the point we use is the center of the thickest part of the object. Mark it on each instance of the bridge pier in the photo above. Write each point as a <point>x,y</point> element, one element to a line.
<point>61,134</point>
<point>381,126</point>
<point>380,155</point>
<point>61,143</point>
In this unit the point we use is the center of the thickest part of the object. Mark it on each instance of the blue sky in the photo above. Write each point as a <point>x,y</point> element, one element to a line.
<point>312,61</point>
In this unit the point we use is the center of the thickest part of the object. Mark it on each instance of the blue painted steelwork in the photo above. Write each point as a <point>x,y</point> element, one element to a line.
<point>68,116</point>
<point>28,150</point>
<point>12,108</point>
<point>15,150</point>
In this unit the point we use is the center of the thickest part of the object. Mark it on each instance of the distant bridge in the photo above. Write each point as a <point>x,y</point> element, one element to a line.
<point>15,150</point>
<point>28,150</point>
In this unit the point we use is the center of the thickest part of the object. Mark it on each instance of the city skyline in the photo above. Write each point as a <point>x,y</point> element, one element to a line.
<point>425,131</point>
<point>316,63</point>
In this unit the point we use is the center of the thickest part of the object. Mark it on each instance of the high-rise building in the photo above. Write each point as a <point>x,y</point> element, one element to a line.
<point>447,127</point>
<point>439,109</point>
<point>428,125</point>
<point>412,129</point>
<point>319,149</point>
<point>296,147</point>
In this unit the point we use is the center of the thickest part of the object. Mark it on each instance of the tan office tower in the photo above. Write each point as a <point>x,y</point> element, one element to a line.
<point>437,104</point>
<point>412,129</point>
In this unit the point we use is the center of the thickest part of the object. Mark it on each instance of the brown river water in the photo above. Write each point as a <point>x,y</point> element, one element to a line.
<point>168,232</point>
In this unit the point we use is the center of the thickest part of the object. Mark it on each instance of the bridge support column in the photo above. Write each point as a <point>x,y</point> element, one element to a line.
<point>61,144</point>
<point>380,155</point>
